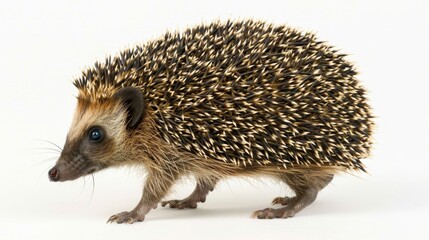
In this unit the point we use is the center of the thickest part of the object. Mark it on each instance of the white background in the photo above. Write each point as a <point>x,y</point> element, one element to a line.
<point>44,45</point>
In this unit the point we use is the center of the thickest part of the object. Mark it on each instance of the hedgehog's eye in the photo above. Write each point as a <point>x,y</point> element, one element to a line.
<point>96,134</point>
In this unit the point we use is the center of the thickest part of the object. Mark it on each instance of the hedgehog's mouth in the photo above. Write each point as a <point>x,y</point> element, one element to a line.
<point>66,171</point>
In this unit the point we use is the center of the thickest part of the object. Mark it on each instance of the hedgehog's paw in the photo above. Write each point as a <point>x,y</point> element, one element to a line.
<point>273,213</point>
<point>126,217</point>
<point>282,200</point>
<point>181,204</point>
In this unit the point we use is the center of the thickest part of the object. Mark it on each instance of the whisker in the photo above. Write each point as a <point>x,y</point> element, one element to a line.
<point>47,160</point>
<point>84,184</point>
<point>51,149</point>
<point>93,185</point>
<point>43,140</point>
<point>45,171</point>
<point>41,153</point>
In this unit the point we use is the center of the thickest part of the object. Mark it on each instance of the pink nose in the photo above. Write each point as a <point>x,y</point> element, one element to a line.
<point>54,174</point>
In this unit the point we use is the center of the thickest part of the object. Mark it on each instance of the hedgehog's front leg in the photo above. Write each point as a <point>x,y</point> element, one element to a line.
<point>156,187</point>
<point>204,186</point>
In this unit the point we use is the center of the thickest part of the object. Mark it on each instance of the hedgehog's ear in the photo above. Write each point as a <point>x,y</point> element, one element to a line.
<point>133,100</point>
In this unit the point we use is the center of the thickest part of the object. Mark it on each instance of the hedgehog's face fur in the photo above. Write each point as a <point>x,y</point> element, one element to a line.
<point>98,135</point>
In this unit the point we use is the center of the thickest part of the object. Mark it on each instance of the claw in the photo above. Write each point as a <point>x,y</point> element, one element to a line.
<point>126,217</point>
<point>169,202</point>
<point>130,221</point>
<point>180,204</point>
<point>261,214</point>
<point>282,200</point>
<point>270,213</point>
<point>112,219</point>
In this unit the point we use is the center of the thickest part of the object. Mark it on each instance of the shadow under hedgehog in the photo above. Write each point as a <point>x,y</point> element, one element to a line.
<point>227,99</point>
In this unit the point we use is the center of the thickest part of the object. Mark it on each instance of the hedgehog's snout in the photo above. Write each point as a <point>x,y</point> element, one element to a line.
<point>54,174</point>
<point>61,172</point>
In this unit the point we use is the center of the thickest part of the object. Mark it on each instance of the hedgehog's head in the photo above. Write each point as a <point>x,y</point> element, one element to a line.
<point>99,134</point>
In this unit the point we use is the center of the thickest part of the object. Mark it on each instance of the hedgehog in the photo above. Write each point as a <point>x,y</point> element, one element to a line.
<point>225,99</point>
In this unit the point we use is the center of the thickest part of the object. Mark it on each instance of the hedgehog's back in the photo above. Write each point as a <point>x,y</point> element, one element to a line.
<point>249,92</point>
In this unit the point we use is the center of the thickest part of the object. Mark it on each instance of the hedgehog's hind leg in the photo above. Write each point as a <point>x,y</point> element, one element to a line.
<point>204,186</point>
<point>306,188</point>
